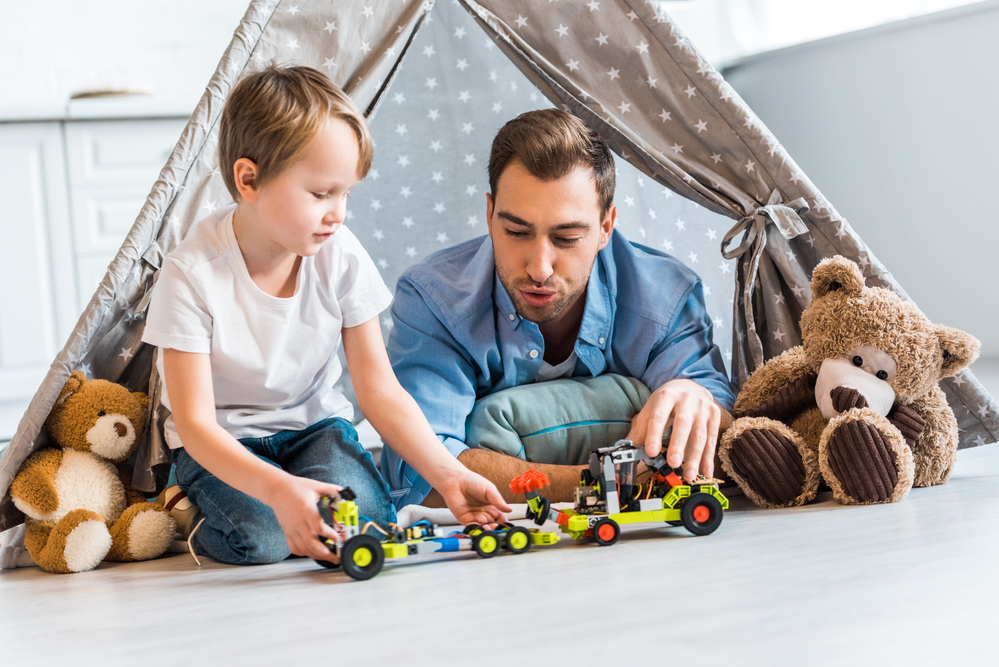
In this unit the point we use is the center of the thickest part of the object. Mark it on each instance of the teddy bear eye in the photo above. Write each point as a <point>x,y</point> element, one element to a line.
<point>881,375</point>
<point>101,413</point>
<point>858,361</point>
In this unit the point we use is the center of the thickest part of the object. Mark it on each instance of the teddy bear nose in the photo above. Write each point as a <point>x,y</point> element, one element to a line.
<point>121,428</point>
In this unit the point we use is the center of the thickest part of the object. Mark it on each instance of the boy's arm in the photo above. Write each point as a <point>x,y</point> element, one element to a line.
<point>188,378</point>
<point>401,424</point>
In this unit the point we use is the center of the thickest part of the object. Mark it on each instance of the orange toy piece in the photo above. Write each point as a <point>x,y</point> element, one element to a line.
<point>531,480</point>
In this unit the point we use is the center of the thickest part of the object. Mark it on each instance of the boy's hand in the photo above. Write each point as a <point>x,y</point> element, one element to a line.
<point>473,499</point>
<point>295,503</point>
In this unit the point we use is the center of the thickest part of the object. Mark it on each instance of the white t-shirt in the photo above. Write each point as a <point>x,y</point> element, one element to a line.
<point>273,360</point>
<point>563,370</point>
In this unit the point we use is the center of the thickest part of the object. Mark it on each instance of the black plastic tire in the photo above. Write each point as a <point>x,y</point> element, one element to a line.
<point>606,531</point>
<point>518,540</point>
<point>701,513</point>
<point>326,563</point>
<point>486,544</point>
<point>362,557</point>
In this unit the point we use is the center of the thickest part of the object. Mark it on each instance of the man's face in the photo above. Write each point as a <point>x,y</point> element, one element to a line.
<point>546,237</point>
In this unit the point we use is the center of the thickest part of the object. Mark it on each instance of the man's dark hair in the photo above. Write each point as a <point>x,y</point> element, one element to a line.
<point>550,143</point>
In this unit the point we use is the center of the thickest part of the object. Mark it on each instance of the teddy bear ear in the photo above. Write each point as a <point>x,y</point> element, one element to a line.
<point>837,274</point>
<point>959,349</point>
<point>73,384</point>
<point>142,400</point>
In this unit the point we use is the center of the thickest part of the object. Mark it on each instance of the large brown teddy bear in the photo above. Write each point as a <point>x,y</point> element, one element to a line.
<point>79,507</point>
<point>857,405</point>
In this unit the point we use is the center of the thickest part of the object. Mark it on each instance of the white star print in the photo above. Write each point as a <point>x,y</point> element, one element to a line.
<point>330,27</point>
<point>401,130</point>
<point>652,213</point>
<point>716,157</point>
<point>632,15</point>
<point>624,107</point>
<point>521,21</point>
<point>433,115</point>
<point>594,6</point>
<point>439,207</point>
<point>497,107</point>
<point>613,73</point>
<point>292,44</point>
<point>790,256</point>
<point>410,251</point>
<point>724,267</point>
<point>209,206</point>
<point>368,12</point>
<point>573,65</point>
<point>462,64</point>
<point>329,64</point>
<point>779,335</point>
<point>979,441</point>
<point>701,126</point>
<point>652,83</point>
<point>437,177</point>
<point>435,146</point>
<point>470,159</point>
<point>431,83</point>
<point>464,96</point>
<point>707,291</point>
<point>428,51</point>
<point>719,323</point>
<point>472,221</point>
<point>379,234</point>
<point>375,175</point>
<point>778,298</point>
<point>407,222</point>
<point>665,115</point>
<point>693,257</point>
<point>629,201</point>
<point>442,237</point>
<point>293,10</point>
<point>691,91</point>
<point>398,98</point>
<point>459,32</point>
<point>467,128</point>
<point>677,148</point>
<point>602,39</point>
<point>750,166</point>
<point>711,234</point>
<point>959,380</point>
<point>125,354</point>
<point>403,161</point>
<point>259,57</point>
<point>376,204</point>
<point>642,48</point>
<point>680,224</point>
<point>810,241</point>
<point>562,30</point>
<point>405,192</point>
<point>794,178</point>
<point>667,245</point>
<point>798,291</point>
<point>85,369</point>
<point>365,47</point>
<point>841,232</point>
<point>471,190</point>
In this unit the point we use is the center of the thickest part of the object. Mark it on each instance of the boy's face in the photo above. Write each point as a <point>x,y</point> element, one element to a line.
<point>306,203</point>
<point>546,236</point>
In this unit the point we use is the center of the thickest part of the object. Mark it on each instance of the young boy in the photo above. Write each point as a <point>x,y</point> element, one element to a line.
<point>248,314</point>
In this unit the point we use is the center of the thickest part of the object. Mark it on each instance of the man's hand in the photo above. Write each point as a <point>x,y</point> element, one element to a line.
<point>473,498</point>
<point>695,417</point>
<point>295,502</point>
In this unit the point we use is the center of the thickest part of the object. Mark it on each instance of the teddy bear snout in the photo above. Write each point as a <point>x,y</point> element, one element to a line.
<point>112,437</point>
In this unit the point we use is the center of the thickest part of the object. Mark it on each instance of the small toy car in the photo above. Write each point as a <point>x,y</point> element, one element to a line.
<point>608,496</point>
<point>362,555</point>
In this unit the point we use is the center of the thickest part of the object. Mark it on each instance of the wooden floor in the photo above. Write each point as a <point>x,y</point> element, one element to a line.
<point>908,584</point>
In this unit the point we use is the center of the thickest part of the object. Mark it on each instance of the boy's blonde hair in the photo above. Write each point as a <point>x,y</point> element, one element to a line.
<point>272,115</point>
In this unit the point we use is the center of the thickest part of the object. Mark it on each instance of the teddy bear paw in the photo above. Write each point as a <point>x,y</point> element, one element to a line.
<point>865,459</point>
<point>143,531</point>
<point>766,460</point>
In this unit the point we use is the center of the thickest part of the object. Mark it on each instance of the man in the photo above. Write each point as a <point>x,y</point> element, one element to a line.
<point>553,291</point>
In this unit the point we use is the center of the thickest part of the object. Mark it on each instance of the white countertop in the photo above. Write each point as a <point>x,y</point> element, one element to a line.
<point>113,107</point>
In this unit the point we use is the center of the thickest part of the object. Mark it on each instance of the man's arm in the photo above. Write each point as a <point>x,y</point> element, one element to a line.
<point>500,469</point>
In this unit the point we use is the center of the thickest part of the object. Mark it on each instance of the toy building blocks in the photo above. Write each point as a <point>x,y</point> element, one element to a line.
<point>362,555</point>
<point>608,496</point>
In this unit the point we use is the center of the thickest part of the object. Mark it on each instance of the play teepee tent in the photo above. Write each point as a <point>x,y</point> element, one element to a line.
<point>442,87</point>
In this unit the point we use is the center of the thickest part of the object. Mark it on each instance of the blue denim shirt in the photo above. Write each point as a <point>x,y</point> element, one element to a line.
<point>457,337</point>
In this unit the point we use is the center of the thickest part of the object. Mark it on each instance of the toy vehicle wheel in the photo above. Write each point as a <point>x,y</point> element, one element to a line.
<point>362,557</point>
<point>329,544</point>
<point>486,544</point>
<point>701,513</point>
<point>472,529</point>
<point>518,540</point>
<point>606,532</point>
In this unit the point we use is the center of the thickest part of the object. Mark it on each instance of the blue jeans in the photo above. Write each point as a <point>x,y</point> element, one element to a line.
<point>241,530</point>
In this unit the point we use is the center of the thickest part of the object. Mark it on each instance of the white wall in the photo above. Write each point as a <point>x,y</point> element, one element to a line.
<point>898,127</point>
<point>54,48</point>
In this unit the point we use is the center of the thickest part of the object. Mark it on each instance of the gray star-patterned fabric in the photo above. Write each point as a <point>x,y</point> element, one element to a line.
<point>699,176</point>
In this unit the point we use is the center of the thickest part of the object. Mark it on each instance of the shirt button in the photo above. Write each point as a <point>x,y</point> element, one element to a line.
<point>534,354</point>
<point>512,317</point>
<point>601,340</point>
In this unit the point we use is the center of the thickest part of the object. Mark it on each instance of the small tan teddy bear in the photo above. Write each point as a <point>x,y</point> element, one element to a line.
<point>857,405</point>
<point>79,507</point>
